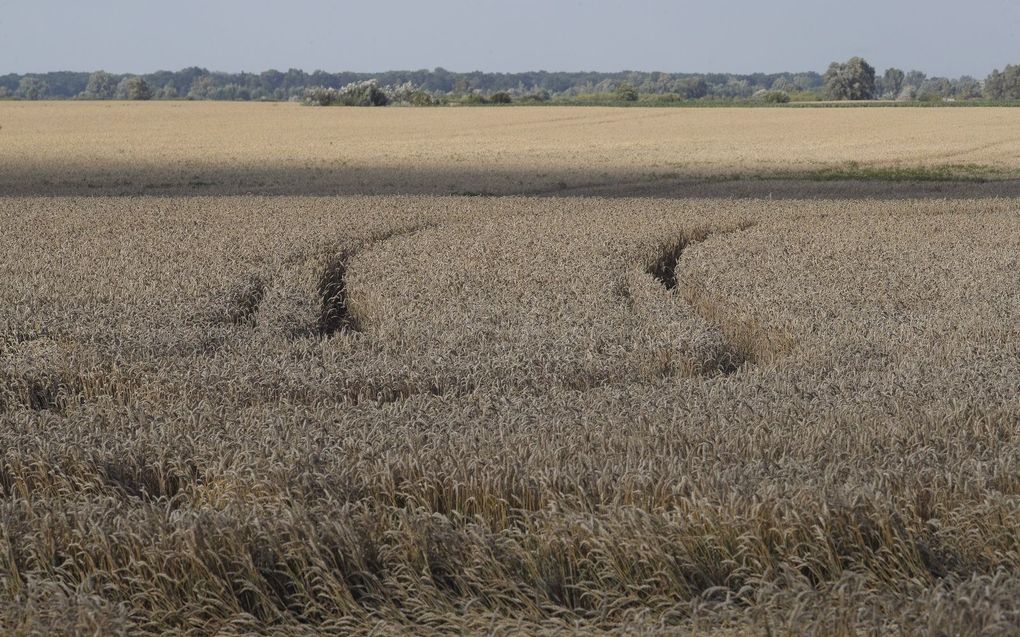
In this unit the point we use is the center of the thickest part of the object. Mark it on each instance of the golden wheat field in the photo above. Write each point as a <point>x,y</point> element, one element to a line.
<point>734,408</point>
<point>222,148</point>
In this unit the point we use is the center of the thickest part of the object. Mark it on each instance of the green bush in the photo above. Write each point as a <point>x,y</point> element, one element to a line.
<point>537,97</point>
<point>626,92</point>
<point>421,98</point>
<point>320,96</point>
<point>772,97</point>
<point>365,93</point>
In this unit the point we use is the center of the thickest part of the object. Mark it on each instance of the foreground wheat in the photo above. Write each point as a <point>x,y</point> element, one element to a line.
<point>433,415</point>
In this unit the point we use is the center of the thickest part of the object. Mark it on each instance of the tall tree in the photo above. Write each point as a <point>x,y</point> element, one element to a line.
<point>135,88</point>
<point>967,88</point>
<point>892,82</point>
<point>935,88</point>
<point>1004,85</point>
<point>915,78</point>
<point>851,80</point>
<point>202,88</point>
<point>101,86</point>
<point>169,91</point>
<point>32,88</point>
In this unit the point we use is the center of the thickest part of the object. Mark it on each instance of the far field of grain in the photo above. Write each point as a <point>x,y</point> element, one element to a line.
<point>225,148</point>
<point>349,402</point>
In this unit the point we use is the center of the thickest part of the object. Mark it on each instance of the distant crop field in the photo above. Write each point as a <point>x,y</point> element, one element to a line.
<point>223,148</point>
<point>739,407</point>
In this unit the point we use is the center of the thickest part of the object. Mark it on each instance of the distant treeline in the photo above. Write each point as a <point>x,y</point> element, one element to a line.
<point>854,79</point>
<point>199,83</point>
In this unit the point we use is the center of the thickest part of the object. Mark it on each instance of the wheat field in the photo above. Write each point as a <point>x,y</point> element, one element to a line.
<point>705,412</point>
<point>87,148</point>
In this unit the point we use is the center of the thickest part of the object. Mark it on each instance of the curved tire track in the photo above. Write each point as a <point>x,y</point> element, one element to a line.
<point>743,342</point>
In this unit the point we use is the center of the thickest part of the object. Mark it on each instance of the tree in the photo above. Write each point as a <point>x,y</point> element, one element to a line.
<point>783,84</point>
<point>365,93</point>
<point>935,88</point>
<point>202,88</point>
<point>907,94</point>
<point>915,78</point>
<point>807,81</point>
<point>169,91</point>
<point>967,88</point>
<point>421,98</point>
<point>1004,85</point>
<point>295,79</point>
<point>537,96</point>
<point>473,98</point>
<point>408,93</point>
<point>994,85</point>
<point>32,88</point>
<point>186,78</point>
<point>320,96</point>
<point>626,92</point>
<point>501,97</point>
<point>134,88</point>
<point>851,80</point>
<point>693,88</point>
<point>101,86</point>
<point>271,80</point>
<point>892,82</point>
<point>772,96</point>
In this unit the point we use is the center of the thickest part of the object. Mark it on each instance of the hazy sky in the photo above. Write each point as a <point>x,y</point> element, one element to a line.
<point>941,37</point>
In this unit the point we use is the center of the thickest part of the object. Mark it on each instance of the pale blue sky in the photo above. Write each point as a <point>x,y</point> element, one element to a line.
<point>941,37</point>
